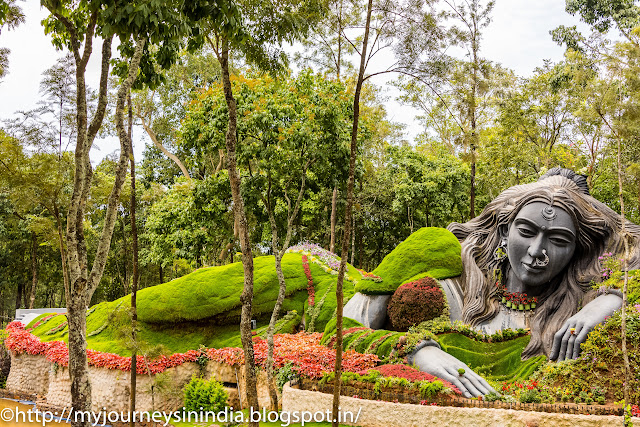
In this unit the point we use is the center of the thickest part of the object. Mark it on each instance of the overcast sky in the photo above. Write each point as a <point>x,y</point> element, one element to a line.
<point>518,38</point>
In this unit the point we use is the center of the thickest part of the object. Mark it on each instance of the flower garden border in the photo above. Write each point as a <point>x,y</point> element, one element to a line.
<point>414,398</point>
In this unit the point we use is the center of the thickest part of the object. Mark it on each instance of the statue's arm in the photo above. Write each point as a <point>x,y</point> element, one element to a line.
<point>567,341</point>
<point>434,361</point>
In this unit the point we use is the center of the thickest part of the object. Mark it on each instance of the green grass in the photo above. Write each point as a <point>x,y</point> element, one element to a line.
<point>430,251</point>
<point>495,361</point>
<point>203,308</point>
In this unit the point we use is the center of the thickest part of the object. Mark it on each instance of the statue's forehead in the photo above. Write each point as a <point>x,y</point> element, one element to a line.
<point>547,216</point>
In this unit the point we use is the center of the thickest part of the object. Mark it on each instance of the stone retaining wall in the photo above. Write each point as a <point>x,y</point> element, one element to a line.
<point>34,375</point>
<point>385,414</point>
<point>29,374</point>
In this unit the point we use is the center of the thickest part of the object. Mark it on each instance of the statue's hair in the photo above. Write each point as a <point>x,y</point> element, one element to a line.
<point>598,230</point>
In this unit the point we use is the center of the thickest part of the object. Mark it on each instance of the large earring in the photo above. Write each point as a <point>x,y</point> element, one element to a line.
<point>544,262</point>
<point>500,254</point>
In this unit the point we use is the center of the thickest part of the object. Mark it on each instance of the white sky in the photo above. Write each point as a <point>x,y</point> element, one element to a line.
<point>518,38</point>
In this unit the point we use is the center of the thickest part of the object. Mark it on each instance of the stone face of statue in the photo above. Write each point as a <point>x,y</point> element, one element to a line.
<point>541,241</point>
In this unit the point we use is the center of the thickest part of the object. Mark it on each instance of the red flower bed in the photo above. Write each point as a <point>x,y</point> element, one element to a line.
<point>310,289</point>
<point>309,358</point>
<point>415,302</point>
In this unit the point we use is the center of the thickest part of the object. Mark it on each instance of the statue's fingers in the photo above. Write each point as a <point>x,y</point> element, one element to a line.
<point>563,346</point>
<point>580,339</point>
<point>485,387</point>
<point>475,380</point>
<point>557,343</point>
<point>453,379</point>
<point>570,342</point>
<point>470,386</point>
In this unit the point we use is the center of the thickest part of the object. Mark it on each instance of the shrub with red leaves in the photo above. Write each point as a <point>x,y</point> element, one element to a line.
<point>415,302</point>
<point>310,358</point>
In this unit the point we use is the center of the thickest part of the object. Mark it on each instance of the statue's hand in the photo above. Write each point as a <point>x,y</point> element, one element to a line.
<point>438,363</point>
<point>566,345</point>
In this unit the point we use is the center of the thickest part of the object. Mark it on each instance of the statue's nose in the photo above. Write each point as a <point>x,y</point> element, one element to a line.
<point>536,247</point>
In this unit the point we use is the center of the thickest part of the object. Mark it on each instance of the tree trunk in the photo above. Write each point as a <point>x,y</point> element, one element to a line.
<point>246,297</point>
<point>273,393</point>
<point>625,262</point>
<point>34,269</point>
<point>125,280</point>
<point>19,295</point>
<point>134,282</point>
<point>63,255</point>
<point>347,222</point>
<point>334,216</point>
<point>282,289</point>
<point>82,283</point>
<point>78,365</point>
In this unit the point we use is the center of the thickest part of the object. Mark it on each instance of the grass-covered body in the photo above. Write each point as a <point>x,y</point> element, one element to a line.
<point>203,308</point>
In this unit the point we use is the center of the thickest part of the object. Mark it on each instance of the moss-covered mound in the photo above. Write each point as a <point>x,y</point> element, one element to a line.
<point>203,308</point>
<point>430,251</point>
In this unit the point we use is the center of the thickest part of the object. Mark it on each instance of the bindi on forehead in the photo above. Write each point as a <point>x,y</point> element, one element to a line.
<point>546,217</point>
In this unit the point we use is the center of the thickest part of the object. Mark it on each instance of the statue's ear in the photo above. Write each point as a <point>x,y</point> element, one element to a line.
<point>503,231</point>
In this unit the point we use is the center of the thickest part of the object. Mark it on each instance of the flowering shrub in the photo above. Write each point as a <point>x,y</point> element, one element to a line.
<point>310,290</point>
<point>318,255</point>
<point>308,357</point>
<point>416,302</point>
<point>370,276</point>
<point>610,264</point>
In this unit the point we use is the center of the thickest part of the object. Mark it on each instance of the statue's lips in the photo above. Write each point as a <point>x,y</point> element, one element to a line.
<point>530,268</point>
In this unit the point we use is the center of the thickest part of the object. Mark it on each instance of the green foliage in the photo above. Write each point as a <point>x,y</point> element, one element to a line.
<point>432,251</point>
<point>530,396</point>
<point>426,389</point>
<point>204,395</point>
<point>190,216</point>
<point>416,302</point>
<point>492,397</point>
<point>597,371</point>
<point>285,374</point>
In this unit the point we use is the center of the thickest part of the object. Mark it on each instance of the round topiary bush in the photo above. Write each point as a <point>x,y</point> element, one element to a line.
<point>203,395</point>
<point>415,302</point>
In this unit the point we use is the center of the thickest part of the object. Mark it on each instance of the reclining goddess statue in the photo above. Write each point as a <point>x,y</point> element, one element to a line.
<point>542,239</point>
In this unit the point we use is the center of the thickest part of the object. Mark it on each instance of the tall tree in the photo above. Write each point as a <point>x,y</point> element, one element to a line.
<point>473,16</point>
<point>73,26</point>
<point>259,43</point>
<point>347,218</point>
